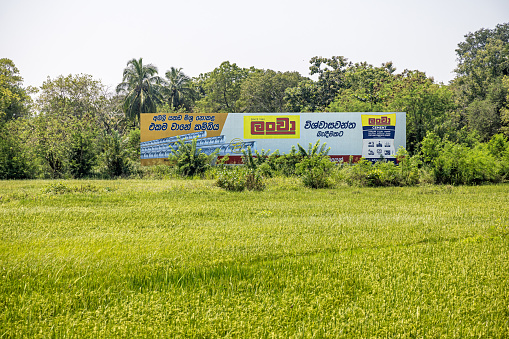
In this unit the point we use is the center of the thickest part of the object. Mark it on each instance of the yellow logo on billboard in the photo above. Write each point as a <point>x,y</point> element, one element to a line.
<point>272,127</point>
<point>379,120</point>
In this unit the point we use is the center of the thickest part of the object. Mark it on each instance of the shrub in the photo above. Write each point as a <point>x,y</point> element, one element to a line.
<point>313,150</point>
<point>114,158</point>
<point>232,179</point>
<point>498,146</point>
<point>12,162</point>
<point>468,163</point>
<point>356,174</point>
<point>285,163</point>
<point>82,153</point>
<point>266,170</point>
<point>189,160</point>
<point>384,173</point>
<point>315,171</point>
<point>408,167</point>
<point>133,144</point>
<point>254,181</point>
<point>252,161</point>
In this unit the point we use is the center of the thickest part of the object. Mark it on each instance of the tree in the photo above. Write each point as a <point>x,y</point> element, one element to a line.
<point>114,156</point>
<point>335,76</point>
<point>366,88</point>
<point>264,90</point>
<point>303,98</point>
<point>331,77</point>
<point>426,104</point>
<point>62,140</point>
<point>222,88</point>
<point>483,62</point>
<point>483,55</point>
<point>83,149</point>
<point>141,87</point>
<point>14,99</point>
<point>178,90</point>
<point>73,95</point>
<point>504,112</point>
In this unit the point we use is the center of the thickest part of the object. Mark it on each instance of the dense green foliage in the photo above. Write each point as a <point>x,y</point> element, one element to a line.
<point>180,258</point>
<point>439,162</point>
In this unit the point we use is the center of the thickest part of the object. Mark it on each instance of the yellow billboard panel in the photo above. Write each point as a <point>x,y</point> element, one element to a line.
<point>272,127</point>
<point>163,125</point>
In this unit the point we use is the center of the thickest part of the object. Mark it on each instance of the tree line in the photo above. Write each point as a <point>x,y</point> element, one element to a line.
<point>77,127</point>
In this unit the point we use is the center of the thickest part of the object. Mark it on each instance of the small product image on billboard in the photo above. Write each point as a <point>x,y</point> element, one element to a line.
<point>378,133</point>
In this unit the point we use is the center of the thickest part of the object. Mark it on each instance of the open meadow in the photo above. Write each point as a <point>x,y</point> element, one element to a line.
<point>183,258</point>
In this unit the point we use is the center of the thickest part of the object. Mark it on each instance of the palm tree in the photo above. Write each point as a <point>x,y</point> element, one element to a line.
<point>141,87</point>
<point>178,89</point>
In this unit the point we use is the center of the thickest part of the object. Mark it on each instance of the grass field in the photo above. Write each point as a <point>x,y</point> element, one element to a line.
<point>182,258</point>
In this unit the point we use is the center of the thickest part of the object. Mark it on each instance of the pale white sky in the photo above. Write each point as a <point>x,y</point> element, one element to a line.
<point>98,37</point>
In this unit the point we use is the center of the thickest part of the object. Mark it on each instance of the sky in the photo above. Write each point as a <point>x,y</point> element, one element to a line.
<point>98,37</point>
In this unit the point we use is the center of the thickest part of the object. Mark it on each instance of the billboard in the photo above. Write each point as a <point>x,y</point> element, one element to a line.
<point>369,135</point>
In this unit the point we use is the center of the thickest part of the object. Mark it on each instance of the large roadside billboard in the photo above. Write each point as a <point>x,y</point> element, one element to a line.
<point>369,135</point>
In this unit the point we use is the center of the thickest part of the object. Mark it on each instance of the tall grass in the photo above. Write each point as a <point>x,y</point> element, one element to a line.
<point>180,258</point>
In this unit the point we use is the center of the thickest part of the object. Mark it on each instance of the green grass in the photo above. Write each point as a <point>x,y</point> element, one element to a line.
<point>182,258</point>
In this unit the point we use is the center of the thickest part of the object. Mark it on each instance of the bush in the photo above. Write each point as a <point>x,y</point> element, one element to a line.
<point>383,173</point>
<point>457,164</point>
<point>12,162</point>
<point>315,171</point>
<point>285,164</point>
<point>189,160</point>
<point>232,179</point>
<point>468,163</point>
<point>498,146</point>
<point>313,150</point>
<point>254,181</point>
<point>356,174</point>
<point>114,158</point>
<point>82,153</point>
<point>252,161</point>
<point>408,168</point>
<point>133,144</point>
